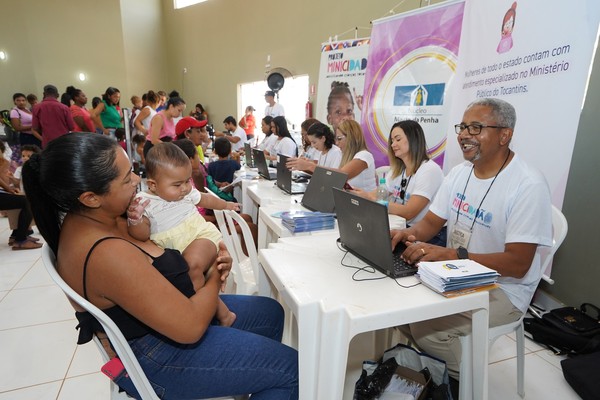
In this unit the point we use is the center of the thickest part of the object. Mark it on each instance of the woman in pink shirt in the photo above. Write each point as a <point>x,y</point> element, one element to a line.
<point>81,115</point>
<point>162,126</point>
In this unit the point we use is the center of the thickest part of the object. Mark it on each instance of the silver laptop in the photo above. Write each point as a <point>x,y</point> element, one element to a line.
<point>284,178</point>
<point>318,195</point>
<point>365,232</point>
<point>248,156</point>
<point>261,163</point>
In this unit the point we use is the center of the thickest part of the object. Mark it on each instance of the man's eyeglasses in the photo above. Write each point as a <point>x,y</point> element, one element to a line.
<point>474,129</point>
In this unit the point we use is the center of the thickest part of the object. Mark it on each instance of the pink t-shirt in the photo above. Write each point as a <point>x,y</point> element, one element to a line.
<point>168,128</point>
<point>77,111</point>
<point>24,116</point>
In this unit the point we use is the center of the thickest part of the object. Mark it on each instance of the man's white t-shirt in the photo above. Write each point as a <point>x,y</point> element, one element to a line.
<point>241,133</point>
<point>517,209</point>
<point>275,111</point>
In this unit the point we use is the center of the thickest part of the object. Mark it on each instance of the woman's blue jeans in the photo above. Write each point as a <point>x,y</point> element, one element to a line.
<point>247,358</point>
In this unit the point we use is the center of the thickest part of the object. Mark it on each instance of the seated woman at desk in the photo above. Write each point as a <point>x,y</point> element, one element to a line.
<point>356,161</point>
<point>328,155</point>
<point>285,144</point>
<point>147,290</point>
<point>413,179</point>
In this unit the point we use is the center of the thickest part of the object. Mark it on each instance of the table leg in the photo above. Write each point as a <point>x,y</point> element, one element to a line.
<point>479,351</point>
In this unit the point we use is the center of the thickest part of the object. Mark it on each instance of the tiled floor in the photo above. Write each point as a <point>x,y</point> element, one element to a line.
<point>40,358</point>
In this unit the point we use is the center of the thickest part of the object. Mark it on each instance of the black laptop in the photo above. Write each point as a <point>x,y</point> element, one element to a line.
<point>365,232</point>
<point>261,163</point>
<point>284,178</point>
<point>249,156</point>
<point>318,195</point>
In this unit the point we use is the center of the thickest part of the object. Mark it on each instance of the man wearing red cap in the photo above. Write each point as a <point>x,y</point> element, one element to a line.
<point>191,128</point>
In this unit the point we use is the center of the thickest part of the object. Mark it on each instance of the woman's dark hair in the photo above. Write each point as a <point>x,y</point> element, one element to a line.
<point>69,166</point>
<point>73,91</point>
<point>174,93</point>
<point>417,147</point>
<point>200,107</point>
<point>65,98</point>
<point>109,92</point>
<point>268,119</point>
<point>187,146</point>
<point>174,101</point>
<point>95,101</point>
<point>320,130</point>
<point>17,95</point>
<point>152,97</point>
<point>282,129</point>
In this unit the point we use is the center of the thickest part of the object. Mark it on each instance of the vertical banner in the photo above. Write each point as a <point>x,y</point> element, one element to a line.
<point>535,54</point>
<point>412,60</point>
<point>343,64</point>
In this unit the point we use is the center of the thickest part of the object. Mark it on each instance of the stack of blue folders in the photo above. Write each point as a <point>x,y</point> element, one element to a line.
<point>307,221</point>
<point>457,276</point>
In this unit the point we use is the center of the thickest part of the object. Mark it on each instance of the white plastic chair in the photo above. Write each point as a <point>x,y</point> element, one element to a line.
<point>244,269</point>
<point>559,227</point>
<point>118,341</point>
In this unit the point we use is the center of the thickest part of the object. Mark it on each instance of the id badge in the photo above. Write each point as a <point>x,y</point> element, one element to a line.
<point>460,236</point>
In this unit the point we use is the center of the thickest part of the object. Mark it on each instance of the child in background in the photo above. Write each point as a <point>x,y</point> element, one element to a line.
<point>167,215</point>
<point>137,143</point>
<point>120,136</point>
<point>223,169</point>
<point>27,150</point>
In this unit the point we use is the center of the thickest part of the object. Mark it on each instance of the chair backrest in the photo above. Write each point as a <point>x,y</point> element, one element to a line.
<point>559,232</point>
<point>245,267</point>
<point>132,366</point>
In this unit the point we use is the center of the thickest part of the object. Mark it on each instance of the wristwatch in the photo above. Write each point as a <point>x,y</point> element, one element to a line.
<point>462,253</point>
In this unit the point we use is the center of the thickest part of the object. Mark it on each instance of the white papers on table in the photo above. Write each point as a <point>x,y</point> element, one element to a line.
<point>446,276</point>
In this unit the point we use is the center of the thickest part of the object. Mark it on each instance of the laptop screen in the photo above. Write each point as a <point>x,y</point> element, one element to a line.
<point>318,195</point>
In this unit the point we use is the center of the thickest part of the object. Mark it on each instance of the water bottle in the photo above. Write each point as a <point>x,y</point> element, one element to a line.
<point>382,193</point>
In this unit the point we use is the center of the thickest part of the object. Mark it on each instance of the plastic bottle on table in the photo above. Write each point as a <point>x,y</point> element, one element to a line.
<point>382,193</point>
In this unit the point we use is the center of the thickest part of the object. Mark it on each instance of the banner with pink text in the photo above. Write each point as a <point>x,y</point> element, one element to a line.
<point>412,62</point>
<point>535,54</point>
<point>341,80</point>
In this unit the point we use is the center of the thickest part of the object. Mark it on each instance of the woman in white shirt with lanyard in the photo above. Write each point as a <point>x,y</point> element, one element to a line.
<point>328,155</point>
<point>413,179</point>
<point>285,144</point>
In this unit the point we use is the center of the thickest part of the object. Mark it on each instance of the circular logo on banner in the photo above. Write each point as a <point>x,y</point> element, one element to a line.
<point>414,88</point>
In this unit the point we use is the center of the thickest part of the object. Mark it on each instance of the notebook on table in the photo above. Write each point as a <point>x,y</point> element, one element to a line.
<point>318,195</point>
<point>284,177</point>
<point>248,156</point>
<point>365,232</point>
<point>261,163</point>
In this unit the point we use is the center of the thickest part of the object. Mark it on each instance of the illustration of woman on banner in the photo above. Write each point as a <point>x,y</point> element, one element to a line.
<point>508,24</point>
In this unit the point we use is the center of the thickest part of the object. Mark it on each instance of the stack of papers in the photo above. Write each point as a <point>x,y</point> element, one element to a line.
<point>307,221</point>
<point>456,277</point>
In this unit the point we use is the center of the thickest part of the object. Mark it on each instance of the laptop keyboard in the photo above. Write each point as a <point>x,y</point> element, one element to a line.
<point>401,267</point>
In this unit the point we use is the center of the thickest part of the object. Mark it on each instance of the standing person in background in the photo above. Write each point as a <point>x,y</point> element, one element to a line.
<point>21,120</point>
<point>357,161</point>
<point>81,115</point>
<point>162,105</point>
<point>273,109</point>
<point>138,103</point>
<point>248,123</point>
<point>162,126</point>
<point>106,115</point>
<point>237,136</point>
<point>51,119</point>
<point>32,100</point>
<point>143,118</point>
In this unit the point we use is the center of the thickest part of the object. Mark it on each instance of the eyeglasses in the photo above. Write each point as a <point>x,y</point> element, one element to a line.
<point>474,129</point>
<point>338,138</point>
